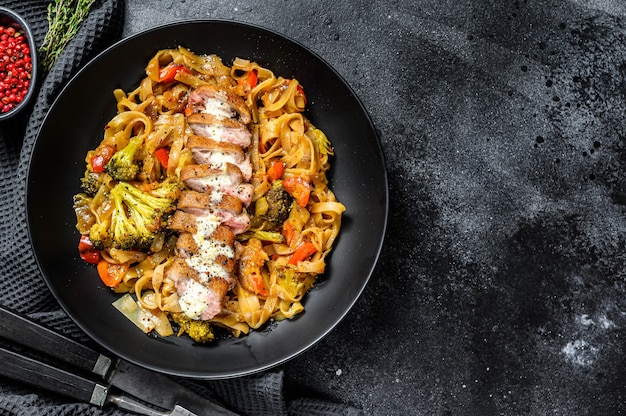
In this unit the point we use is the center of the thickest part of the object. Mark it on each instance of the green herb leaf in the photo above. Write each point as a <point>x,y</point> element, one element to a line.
<point>64,19</point>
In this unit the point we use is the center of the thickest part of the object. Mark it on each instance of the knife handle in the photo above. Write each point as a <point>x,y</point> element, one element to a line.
<point>24,331</point>
<point>21,368</point>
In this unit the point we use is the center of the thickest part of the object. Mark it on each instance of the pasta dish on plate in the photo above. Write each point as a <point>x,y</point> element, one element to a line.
<point>206,204</point>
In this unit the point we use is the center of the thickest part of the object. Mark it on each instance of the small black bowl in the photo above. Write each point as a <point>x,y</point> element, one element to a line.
<point>9,18</point>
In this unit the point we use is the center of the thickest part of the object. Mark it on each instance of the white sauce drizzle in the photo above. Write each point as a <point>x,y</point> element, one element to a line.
<point>214,131</point>
<point>218,158</point>
<point>204,261</point>
<point>217,182</point>
<point>195,298</point>
<point>218,108</point>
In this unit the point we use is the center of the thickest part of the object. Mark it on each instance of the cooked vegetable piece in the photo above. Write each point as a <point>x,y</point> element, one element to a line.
<point>321,141</point>
<point>100,158</point>
<point>168,73</point>
<point>251,80</point>
<point>163,155</point>
<point>137,216</point>
<point>302,252</point>
<point>269,236</point>
<point>300,92</point>
<point>289,232</point>
<point>85,217</point>
<point>291,281</point>
<point>111,274</point>
<point>198,330</point>
<point>251,260</point>
<point>279,204</point>
<point>122,166</point>
<point>87,251</point>
<point>299,188</point>
<point>276,170</point>
<point>144,319</point>
<point>91,181</point>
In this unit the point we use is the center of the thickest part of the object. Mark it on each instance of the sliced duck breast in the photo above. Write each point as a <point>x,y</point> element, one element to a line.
<point>201,203</point>
<point>224,235</point>
<point>191,222</point>
<point>188,247</point>
<point>206,226</point>
<point>239,224</point>
<point>211,152</point>
<point>227,179</point>
<point>183,222</point>
<point>200,297</point>
<point>180,270</point>
<point>207,178</point>
<point>210,99</point>
<point>202,147</point>
<point>221,130</point>
<point>202,301</point>
<point>243,191</point>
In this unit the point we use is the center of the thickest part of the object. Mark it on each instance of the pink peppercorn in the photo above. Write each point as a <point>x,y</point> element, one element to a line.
<point>15,68</point>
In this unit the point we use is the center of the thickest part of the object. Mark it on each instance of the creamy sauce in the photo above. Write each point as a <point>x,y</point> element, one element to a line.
<point>195,299</point>
<point>216,196</point>
<point>218,108</point>
<point>221,158</point>
<point>214,131</point>
<point>204,261</point>
<point>205,226</point>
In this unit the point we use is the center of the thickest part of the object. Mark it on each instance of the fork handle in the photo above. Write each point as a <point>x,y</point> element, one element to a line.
<point>22,368</point>
<point>22,330</point>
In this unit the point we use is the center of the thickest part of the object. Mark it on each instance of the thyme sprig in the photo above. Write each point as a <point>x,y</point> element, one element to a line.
<point>64,19</point>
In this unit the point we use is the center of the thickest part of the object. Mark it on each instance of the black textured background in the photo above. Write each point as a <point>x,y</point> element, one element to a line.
<point>500,289</point>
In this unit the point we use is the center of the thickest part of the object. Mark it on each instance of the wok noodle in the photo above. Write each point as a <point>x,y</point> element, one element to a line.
<point>206,204</point>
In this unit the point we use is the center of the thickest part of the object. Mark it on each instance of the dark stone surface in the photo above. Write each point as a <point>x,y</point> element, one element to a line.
<point>500,289</point>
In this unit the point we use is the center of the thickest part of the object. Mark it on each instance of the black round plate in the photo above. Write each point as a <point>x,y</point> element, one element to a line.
<point>75,124</point>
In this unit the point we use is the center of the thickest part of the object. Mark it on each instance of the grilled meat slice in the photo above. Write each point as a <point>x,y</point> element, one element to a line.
<point>210,99</point>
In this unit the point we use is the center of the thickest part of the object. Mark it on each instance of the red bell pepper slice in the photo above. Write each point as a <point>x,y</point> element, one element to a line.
<point>299,188</point>
<point>289,232</point>
<point>302,253</point>
<point>111,274</point>
<point>251,80</point>
<point>300,92</point>
<point>101,157</point>
<point>276,170</point>
<point>163,155</point>
<point>168,73</point>
<point>87,251</point>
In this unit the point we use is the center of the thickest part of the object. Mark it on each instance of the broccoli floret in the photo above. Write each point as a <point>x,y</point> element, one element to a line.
<point>122,166</point>
<point>198,330</point>
<point>99,235</point>
<point>279,204</point>
<point>167,189</point>
<point>136,220</point>
<point>90,182</point>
